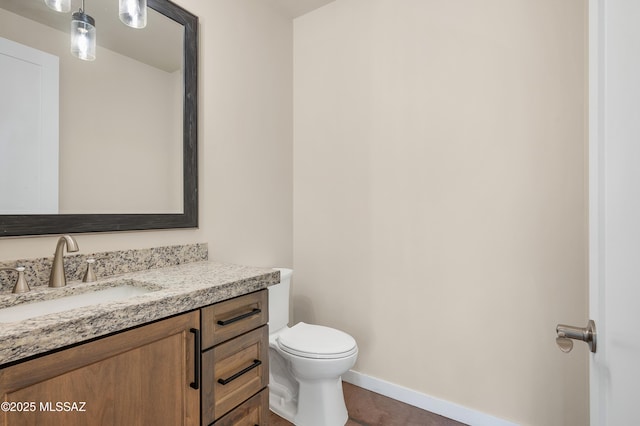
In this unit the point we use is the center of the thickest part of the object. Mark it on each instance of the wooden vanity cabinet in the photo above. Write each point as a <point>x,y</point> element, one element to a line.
<point>206,367</point>
<point>141,377</point>
<point>235,362</point>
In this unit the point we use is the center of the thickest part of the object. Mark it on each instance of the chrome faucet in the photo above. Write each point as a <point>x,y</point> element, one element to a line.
<point>58,277</point>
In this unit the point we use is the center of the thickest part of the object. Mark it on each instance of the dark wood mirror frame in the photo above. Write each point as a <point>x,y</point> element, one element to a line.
<point>16,225</point>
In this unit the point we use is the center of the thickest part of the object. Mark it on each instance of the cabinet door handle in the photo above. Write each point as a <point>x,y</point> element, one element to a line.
<point>255,311</point>
<point>256,362</point>
<point>196,358</point>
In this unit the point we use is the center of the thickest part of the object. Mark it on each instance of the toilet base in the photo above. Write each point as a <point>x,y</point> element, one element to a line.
<point>320,403</point>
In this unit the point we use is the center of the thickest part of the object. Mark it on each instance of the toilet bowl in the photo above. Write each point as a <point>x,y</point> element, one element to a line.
<point>306,363</point>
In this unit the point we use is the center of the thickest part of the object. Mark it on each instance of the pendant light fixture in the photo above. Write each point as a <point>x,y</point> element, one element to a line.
<point>83,35</point>
<point>134,13</point>
<point>59,5</point>
<point>83,27</point>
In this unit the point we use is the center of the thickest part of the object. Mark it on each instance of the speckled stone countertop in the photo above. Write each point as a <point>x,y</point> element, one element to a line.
<point>175,289</point>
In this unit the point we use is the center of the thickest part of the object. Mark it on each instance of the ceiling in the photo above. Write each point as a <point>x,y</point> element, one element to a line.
<point>295,8</point>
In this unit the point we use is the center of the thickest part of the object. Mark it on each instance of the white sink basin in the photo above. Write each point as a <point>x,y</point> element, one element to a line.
<point>36,309</point>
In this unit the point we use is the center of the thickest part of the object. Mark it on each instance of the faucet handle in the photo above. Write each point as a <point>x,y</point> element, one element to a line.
<point>89,274</point>
<point>21,285</point>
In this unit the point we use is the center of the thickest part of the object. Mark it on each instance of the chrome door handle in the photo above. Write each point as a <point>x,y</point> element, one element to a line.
<point>568,333</point>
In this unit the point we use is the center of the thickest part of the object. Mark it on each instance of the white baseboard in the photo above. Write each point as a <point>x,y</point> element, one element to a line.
<point>421,400</point>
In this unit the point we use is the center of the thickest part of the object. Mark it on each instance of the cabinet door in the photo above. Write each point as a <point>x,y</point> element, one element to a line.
<point>137,377</point>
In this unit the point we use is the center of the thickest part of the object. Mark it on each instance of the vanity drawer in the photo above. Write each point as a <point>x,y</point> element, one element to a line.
<point>255,411</point>
<point>234,371</point>
<point>225,320</point>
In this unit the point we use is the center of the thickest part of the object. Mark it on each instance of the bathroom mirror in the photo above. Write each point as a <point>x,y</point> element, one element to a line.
<point>127,149</point>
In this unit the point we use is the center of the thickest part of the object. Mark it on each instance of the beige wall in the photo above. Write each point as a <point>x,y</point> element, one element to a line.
<point>439,197</point>
<point>131,162</point>
<point>245,143</point>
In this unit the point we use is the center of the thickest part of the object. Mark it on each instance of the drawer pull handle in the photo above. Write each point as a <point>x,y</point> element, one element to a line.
<point>197,360</point>
<point>256,362</point>
<point>255,311</point>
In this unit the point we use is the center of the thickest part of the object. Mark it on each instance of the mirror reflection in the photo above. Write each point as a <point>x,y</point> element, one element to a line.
<point>100,137</point>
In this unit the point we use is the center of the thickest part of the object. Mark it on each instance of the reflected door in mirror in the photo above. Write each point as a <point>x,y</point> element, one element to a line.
<point>28,130</point>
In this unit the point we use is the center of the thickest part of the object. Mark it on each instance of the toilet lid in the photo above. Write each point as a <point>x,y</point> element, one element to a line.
<point>316,341</point>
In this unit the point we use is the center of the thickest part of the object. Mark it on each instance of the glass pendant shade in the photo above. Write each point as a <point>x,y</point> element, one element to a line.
<point>59,5</point>
<point>134,13</point>
<point>83,36</point>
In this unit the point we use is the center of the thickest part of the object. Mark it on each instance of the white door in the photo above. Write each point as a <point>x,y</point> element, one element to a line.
<point>614,192</point>
<point>28,130</point>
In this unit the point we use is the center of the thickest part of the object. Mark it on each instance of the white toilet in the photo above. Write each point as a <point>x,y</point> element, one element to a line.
<point>306,363</point>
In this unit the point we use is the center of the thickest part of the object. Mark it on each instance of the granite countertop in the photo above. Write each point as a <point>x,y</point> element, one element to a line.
<point>175,289</point>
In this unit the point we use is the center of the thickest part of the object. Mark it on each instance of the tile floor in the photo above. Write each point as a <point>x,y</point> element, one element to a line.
<point>367,408</point>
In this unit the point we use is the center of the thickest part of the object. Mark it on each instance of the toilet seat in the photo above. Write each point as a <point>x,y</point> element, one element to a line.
<point>316,341</point>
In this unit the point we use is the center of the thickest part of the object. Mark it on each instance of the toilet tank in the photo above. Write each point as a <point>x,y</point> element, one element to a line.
<point>279,301</point>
